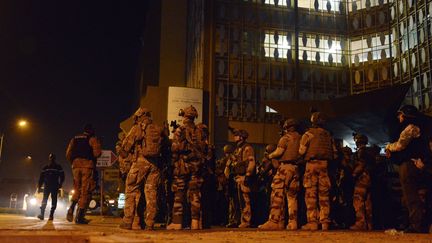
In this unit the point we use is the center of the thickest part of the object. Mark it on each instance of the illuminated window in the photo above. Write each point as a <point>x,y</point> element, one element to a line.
<point>322,5</point>
<point>325,48</point>
<point>278,50</point>
<point>361,4</point>
<point>272,2</point>
<point>360,49</point>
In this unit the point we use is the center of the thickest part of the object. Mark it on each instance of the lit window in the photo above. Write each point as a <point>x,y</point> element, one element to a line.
<point>361,4</point>
<point>272,2</point>
<point>322,5</point>
<point>360,49</point>
<point>324,49</point>
<point>270,110</point>
<point>282,46</point>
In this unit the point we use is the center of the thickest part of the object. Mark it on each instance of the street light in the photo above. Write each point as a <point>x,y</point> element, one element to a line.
<point>22,124</point>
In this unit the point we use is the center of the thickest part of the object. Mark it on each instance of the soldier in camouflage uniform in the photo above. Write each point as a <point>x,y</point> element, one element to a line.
<point>243,167</point>
<point>286,181</point>
<point>265,173</point>
<point>125,163</point>
<point>145,139</point>
<point>189,146</point>
<point>411,146</point>
<point>318,149</point>
<point>82,152</point>
<point>364,160</point>
<point>222,185</point>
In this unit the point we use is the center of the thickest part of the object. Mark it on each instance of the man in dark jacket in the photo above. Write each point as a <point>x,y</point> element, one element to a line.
<point>51,178</point>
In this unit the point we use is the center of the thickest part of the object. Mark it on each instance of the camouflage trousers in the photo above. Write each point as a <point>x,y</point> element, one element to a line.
<point>84,184</point>
<point>285,185</point>
<point>243,191</point>
<point>191,186</point>
<point>145,174</point>
<point>317,185</point>
<point>362,200</point>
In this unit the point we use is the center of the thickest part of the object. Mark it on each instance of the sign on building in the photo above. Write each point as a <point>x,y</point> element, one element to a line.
<point>181,97</point>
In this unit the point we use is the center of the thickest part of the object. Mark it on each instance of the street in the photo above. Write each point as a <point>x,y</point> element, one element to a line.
<point>17,228</point>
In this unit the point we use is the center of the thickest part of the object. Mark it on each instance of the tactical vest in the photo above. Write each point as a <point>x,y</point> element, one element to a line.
<point>365,155</point>
<point>196,142</point>
<point>81,148</point>
<point>291,152</point>
<point>240,165</point>
<point>152,141</point>
<point>417,148</point>
<point>320,146</point>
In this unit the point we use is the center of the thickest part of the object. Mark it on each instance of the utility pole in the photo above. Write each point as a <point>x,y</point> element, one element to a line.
<point>1,146</point>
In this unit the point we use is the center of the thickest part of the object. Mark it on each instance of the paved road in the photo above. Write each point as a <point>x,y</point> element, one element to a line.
<point>17,228</point>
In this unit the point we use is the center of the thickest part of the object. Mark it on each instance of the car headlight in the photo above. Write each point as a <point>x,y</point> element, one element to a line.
<point>33,201</point>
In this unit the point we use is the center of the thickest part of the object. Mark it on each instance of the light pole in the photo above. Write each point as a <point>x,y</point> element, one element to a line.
<point>22,124</point>
<point>1,145</point>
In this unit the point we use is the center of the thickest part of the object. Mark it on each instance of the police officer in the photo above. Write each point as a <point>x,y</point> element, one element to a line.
<point>286,181</point>
<point>146,139</point>
<point>317,147</point>
<point>243,167</point>
<point>189,146</point>
<point>412,145</point>
<point>82,152</point>
<point>51,178</point>
<point>364,161</point>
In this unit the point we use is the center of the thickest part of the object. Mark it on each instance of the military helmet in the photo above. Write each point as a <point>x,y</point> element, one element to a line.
<point>228,149</point>
<point>408,111</point>
<point>190,112</point>
<point>360,138</point>
<point>317,118</point>
<point>270,148</point>
<point>241,133</point>
<point>289,123</point>
<point>142,112</point>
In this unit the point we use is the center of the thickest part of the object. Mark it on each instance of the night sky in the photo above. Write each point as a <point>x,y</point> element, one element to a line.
<point>63,64</point>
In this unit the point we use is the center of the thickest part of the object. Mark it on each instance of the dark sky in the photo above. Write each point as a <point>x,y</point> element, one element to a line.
<point>62,64</point>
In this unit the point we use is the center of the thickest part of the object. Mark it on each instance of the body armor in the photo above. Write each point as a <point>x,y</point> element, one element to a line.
<point>320,146</point>
<point>82,148</point>
<point>292,146</point>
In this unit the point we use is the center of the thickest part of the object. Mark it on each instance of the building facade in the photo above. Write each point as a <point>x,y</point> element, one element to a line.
<point>245,52</point>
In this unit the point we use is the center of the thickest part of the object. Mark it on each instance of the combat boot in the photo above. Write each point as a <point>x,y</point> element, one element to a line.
<point>269,225</point>
<point>310,226</point>
<point>51,216</point>
<point>195,224</point>
<point>231,225</point>
<point>244,225</point>
<point>136,224</point>
<point>69,215</point>
<point>124,225</point>
<point>173,226</point>
<point>325,226</point>
<point>80,219</point>
<point>358,226</point>
<point>42,214</point>
<point>292,225</point>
